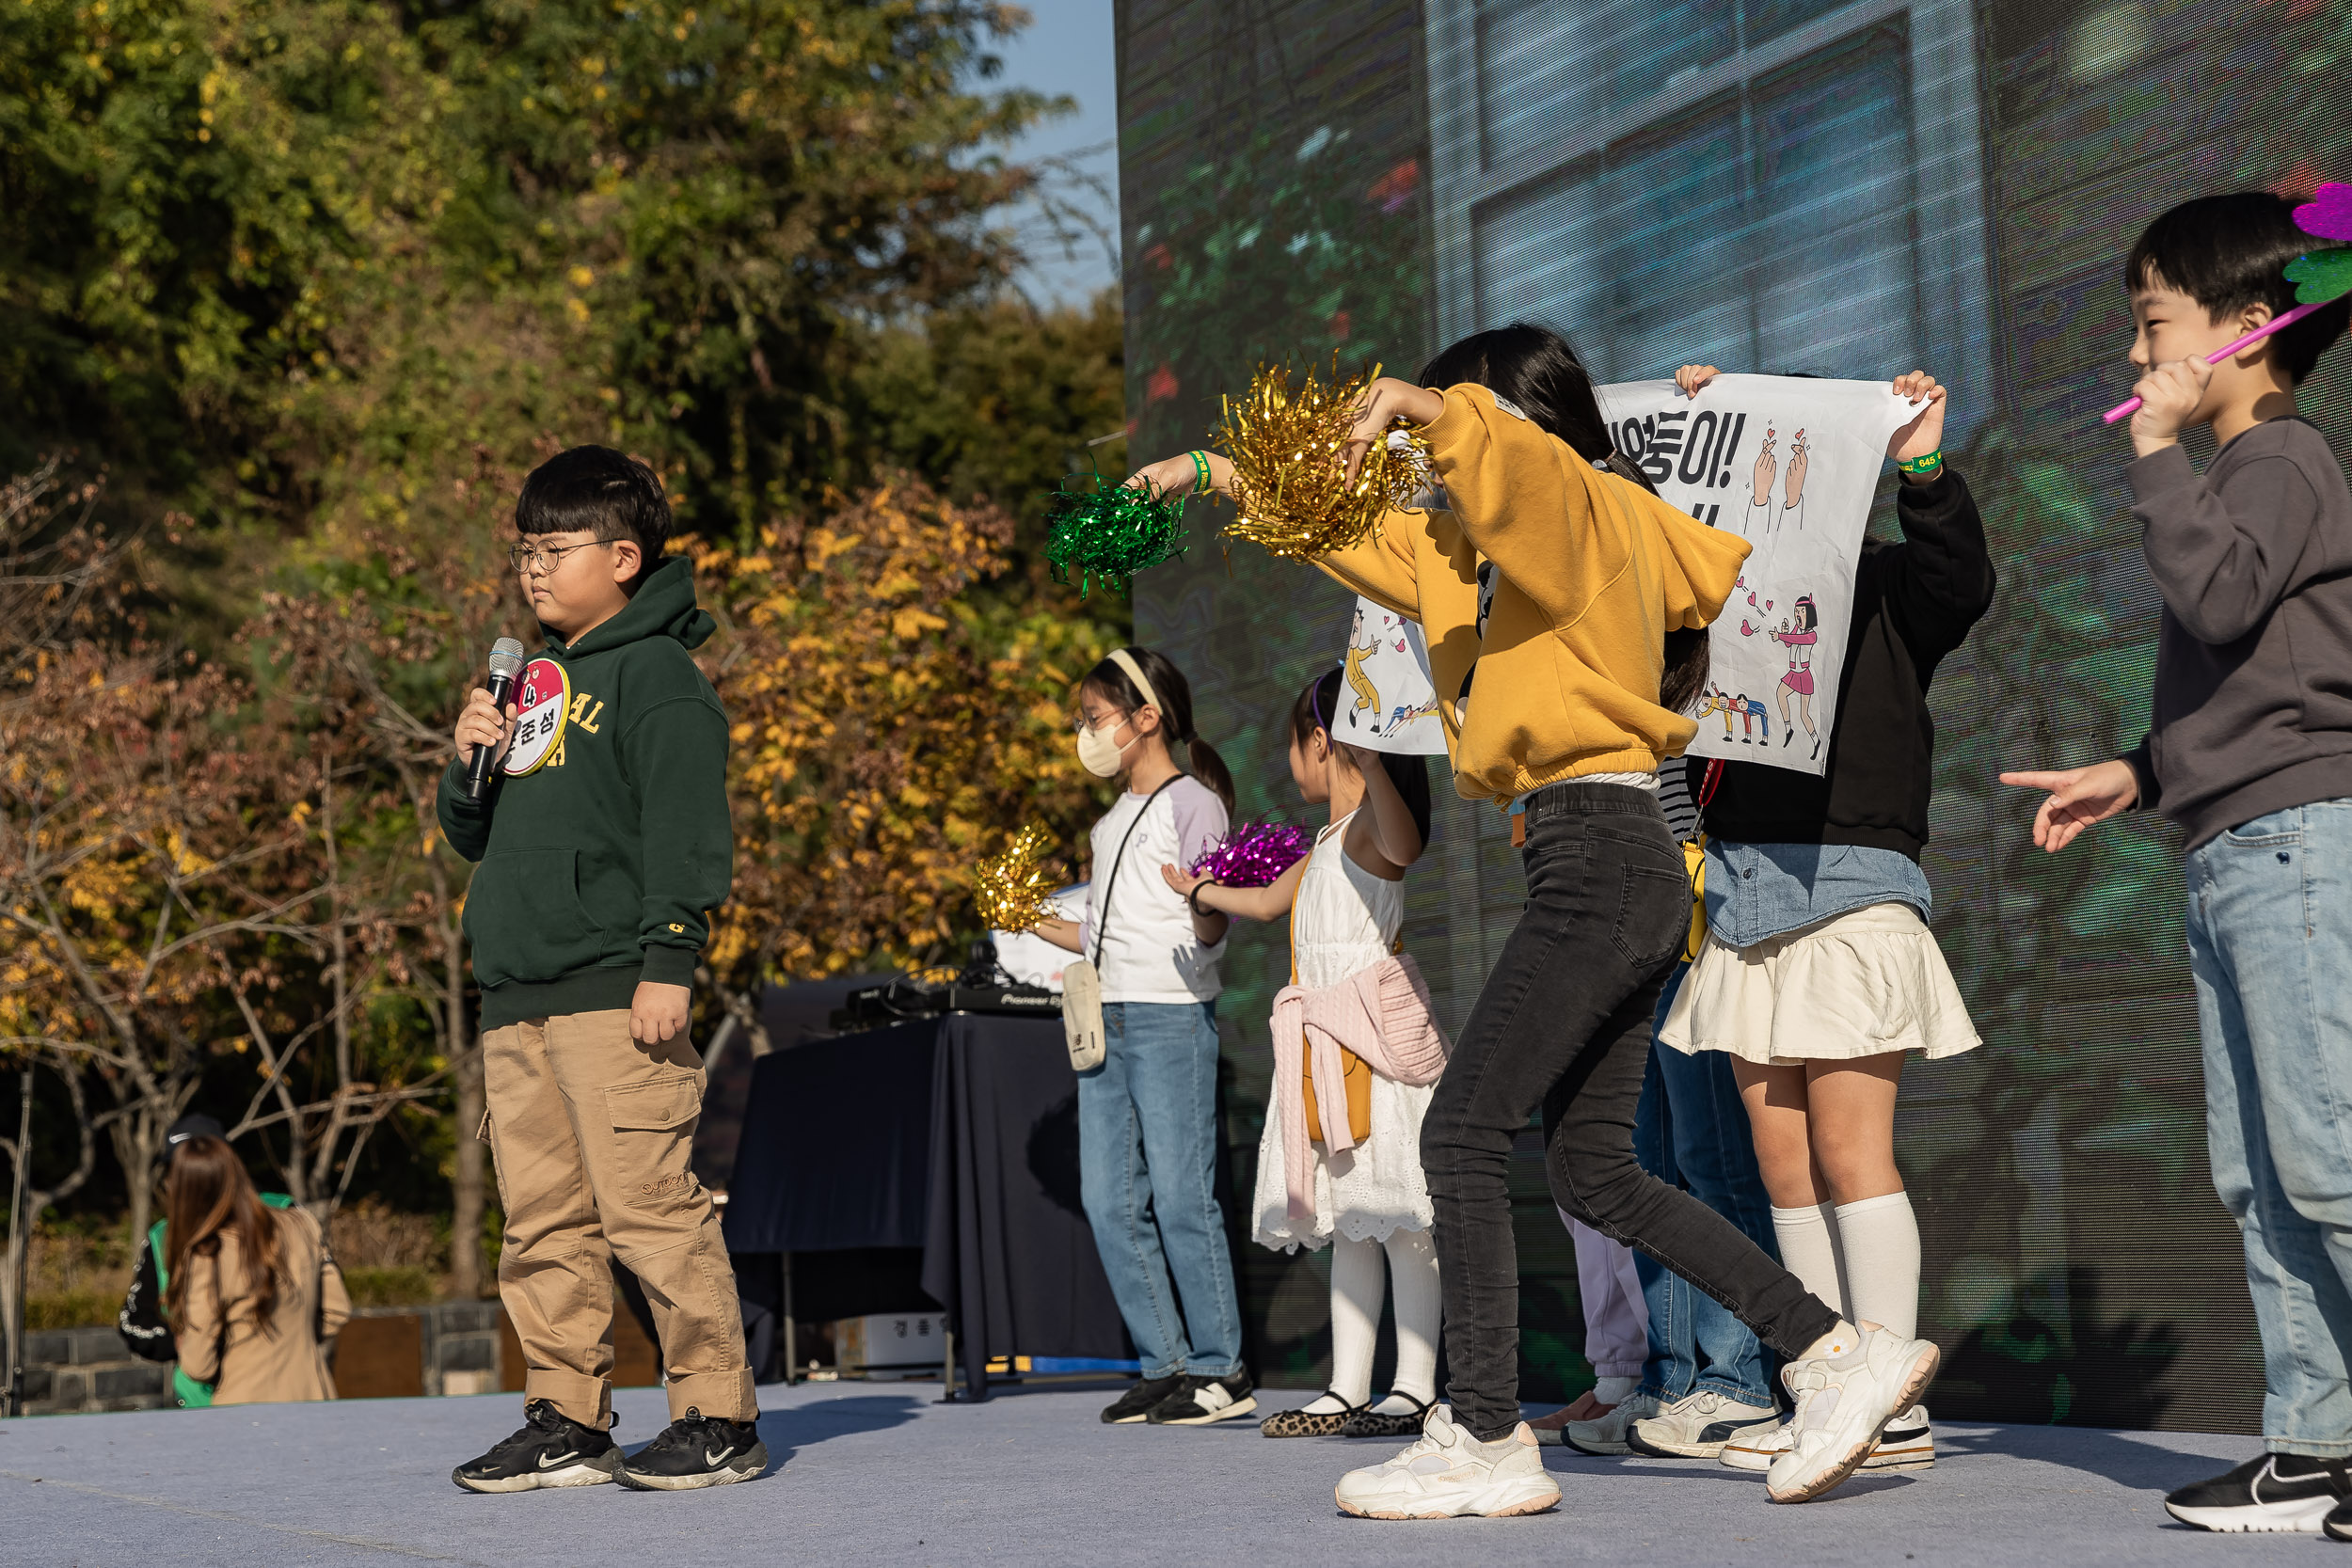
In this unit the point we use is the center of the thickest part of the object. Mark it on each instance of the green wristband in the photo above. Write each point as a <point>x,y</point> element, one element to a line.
<point>1922,466</point>
<point>1201,485</point>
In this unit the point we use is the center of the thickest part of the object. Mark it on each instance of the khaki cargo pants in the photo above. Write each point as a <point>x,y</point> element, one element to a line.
<point>590,1131</point>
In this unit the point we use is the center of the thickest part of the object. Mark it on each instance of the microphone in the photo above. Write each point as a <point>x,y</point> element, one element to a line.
<point>507,663</point>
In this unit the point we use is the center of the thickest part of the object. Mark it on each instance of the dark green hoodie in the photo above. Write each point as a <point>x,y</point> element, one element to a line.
<point>599,869</point>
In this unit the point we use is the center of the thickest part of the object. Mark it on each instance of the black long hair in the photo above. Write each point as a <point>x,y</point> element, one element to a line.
<point>1175,705</point>
<point>1533,369</point>
<point>1317,708</point>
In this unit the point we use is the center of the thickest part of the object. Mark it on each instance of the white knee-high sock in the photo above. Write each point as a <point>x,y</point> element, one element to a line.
<point>1809,1249</point>
<point>1358,1285</point>
<point>1413,1263</point>
<point>1880,1238</point>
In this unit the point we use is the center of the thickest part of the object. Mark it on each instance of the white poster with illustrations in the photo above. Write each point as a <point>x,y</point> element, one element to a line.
<point>1790,464</point>
<point>1387,700</point>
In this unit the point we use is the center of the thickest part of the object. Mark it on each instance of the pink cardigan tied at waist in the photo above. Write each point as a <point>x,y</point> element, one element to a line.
<point>1381,1013</point>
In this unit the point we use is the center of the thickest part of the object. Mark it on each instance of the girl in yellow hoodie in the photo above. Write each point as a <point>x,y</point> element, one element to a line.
<point>1553,586</point>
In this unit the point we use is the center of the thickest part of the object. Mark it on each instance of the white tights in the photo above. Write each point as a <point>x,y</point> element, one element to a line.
<point>1356,1289</point>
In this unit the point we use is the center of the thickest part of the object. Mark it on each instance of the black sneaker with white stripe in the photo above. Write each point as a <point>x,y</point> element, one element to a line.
<point>1200,1401</point>
<point>550,1450</point>
<point>693,1451</point>
<point>2285,1492</point>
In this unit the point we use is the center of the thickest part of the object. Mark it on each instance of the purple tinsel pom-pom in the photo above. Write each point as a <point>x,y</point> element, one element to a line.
<point>1254,854</point>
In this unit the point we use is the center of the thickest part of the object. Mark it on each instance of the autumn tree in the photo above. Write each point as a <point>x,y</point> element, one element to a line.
<point>884,733</point>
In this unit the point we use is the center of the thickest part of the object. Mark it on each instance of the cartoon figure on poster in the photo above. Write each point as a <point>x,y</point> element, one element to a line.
<point>1395,701</point>
<point>1790,464</point>
<point>1800,633</point>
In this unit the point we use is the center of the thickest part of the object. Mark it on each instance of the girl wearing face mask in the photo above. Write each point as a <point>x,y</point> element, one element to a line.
<point>1147,1124</point>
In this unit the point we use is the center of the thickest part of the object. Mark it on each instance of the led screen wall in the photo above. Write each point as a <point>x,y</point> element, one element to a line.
<point>1854,189</point>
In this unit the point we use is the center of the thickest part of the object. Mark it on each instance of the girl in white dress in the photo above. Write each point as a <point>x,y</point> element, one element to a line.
<point>1346,902</point>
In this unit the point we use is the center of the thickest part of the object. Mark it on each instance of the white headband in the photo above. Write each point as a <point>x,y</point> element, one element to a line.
<point>1135,673</point>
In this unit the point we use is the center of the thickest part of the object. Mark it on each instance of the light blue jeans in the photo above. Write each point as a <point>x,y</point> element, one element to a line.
<point>1692,1130</point>
<point>1147,1159</point>
<point>2270,945</point>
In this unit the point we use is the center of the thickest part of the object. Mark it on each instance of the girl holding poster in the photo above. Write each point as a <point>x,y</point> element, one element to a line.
<point>1353,1182</point>
<point>1560,580</point>
<point>1819,974</point>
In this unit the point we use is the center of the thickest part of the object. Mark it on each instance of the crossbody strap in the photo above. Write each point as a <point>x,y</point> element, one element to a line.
<point>1103,917</point>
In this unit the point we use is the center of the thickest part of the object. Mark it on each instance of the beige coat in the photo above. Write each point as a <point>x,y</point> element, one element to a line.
<point>221,1342</point>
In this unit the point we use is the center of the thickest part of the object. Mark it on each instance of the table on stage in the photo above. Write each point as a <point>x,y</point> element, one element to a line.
<point>958,1135</point>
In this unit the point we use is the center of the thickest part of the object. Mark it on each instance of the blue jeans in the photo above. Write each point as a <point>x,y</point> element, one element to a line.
<point>2270,945</point>
<point>1146,1158</point>
<point>1692,1128</point>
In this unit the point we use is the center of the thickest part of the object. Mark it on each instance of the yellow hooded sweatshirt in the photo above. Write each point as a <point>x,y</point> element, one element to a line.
<point>1591,573</point>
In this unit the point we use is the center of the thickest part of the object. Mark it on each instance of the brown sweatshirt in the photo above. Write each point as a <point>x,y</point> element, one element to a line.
<point>2253,710</point>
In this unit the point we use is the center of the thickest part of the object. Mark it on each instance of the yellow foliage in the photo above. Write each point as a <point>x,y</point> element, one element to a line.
<point>884,725</point>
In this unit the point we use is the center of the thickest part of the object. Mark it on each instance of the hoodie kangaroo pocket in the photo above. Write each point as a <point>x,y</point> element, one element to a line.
<point>524,918</point>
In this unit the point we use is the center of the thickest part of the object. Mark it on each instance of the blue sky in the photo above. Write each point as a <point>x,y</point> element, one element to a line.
<point>1068,49</point>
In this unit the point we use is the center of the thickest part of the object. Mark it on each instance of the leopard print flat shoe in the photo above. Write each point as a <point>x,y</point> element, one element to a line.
<point>1365,1423</point>
<point>1302,1423</point>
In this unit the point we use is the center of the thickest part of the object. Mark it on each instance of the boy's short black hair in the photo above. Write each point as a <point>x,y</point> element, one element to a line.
<point>607,492</point>
<point>2228,252</point>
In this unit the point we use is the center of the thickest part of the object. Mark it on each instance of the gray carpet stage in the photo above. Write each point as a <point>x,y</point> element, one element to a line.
<point>870,1474</point>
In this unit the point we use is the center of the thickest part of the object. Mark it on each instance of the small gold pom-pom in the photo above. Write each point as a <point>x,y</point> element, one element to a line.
<point>1013,890</point>
<point>1289,464</point>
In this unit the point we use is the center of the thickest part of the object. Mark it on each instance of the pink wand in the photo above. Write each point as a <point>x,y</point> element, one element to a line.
<point>2126,410</point>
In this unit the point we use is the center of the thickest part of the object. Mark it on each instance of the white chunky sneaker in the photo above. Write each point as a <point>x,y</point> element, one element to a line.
<point>1694,1427</point>
<point>1907,1443</point>
<point>1605,1435</point>
<point>1844,1401</point>
<point>1448,1474</point>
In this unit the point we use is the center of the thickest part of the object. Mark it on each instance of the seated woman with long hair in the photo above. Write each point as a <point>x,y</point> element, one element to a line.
<point>253,1294</point>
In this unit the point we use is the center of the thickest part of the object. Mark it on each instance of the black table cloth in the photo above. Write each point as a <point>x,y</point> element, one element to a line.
<point>1007,1247</point>
<point>835,1150</point>
<point>958,1135</point>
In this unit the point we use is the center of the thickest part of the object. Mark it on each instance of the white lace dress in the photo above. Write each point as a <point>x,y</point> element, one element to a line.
<point>1346,920</point>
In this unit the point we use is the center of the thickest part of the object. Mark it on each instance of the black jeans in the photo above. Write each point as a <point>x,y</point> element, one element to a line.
<point>1564,1024</point>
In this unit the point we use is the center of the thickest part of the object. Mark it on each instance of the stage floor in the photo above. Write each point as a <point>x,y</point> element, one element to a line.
<point>875,1474</point>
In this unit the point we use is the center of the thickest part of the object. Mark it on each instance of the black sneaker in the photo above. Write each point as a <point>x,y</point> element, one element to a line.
<point>693,1451</point>
<point>2338,1525</point>
<point>1137,1403</point>
<point>552,1450</point>
<point>2270,1492</point>
<point>1200,1401</point>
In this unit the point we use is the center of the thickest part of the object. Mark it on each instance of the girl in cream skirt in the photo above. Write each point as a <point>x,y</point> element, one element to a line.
<point>1862,984</point>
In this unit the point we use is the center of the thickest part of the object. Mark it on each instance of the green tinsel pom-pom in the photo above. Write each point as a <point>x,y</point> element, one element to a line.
<point>1110,533</point>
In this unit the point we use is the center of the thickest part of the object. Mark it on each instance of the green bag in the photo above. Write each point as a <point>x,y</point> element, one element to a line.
<point>191,1394</point>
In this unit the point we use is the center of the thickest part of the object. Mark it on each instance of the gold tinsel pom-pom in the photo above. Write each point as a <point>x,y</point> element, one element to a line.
<point>1013,890</point>
<point>1290,464</point>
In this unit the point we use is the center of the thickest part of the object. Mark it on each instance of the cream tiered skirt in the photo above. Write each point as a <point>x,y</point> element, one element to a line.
<point>1858,983</point>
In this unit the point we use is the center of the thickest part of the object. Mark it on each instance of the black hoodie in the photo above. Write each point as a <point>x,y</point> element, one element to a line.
<point>599,869</point>
<point>1912,604</point>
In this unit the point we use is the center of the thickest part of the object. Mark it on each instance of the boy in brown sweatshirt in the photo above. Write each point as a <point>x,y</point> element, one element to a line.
<point>2252,754</point>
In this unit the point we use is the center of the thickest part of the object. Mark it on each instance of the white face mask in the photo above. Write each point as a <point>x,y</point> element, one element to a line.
<point>1098,753</point>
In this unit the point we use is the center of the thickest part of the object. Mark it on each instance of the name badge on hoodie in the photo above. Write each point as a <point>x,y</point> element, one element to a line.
<point>541,703</point>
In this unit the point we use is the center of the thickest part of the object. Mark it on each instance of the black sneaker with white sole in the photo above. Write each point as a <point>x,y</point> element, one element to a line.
<point>552,1450</point>
<point>1200,1401</point>
<point>2282,1491</point>
<point>1137,1401</point>
<point>693,1451</point>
